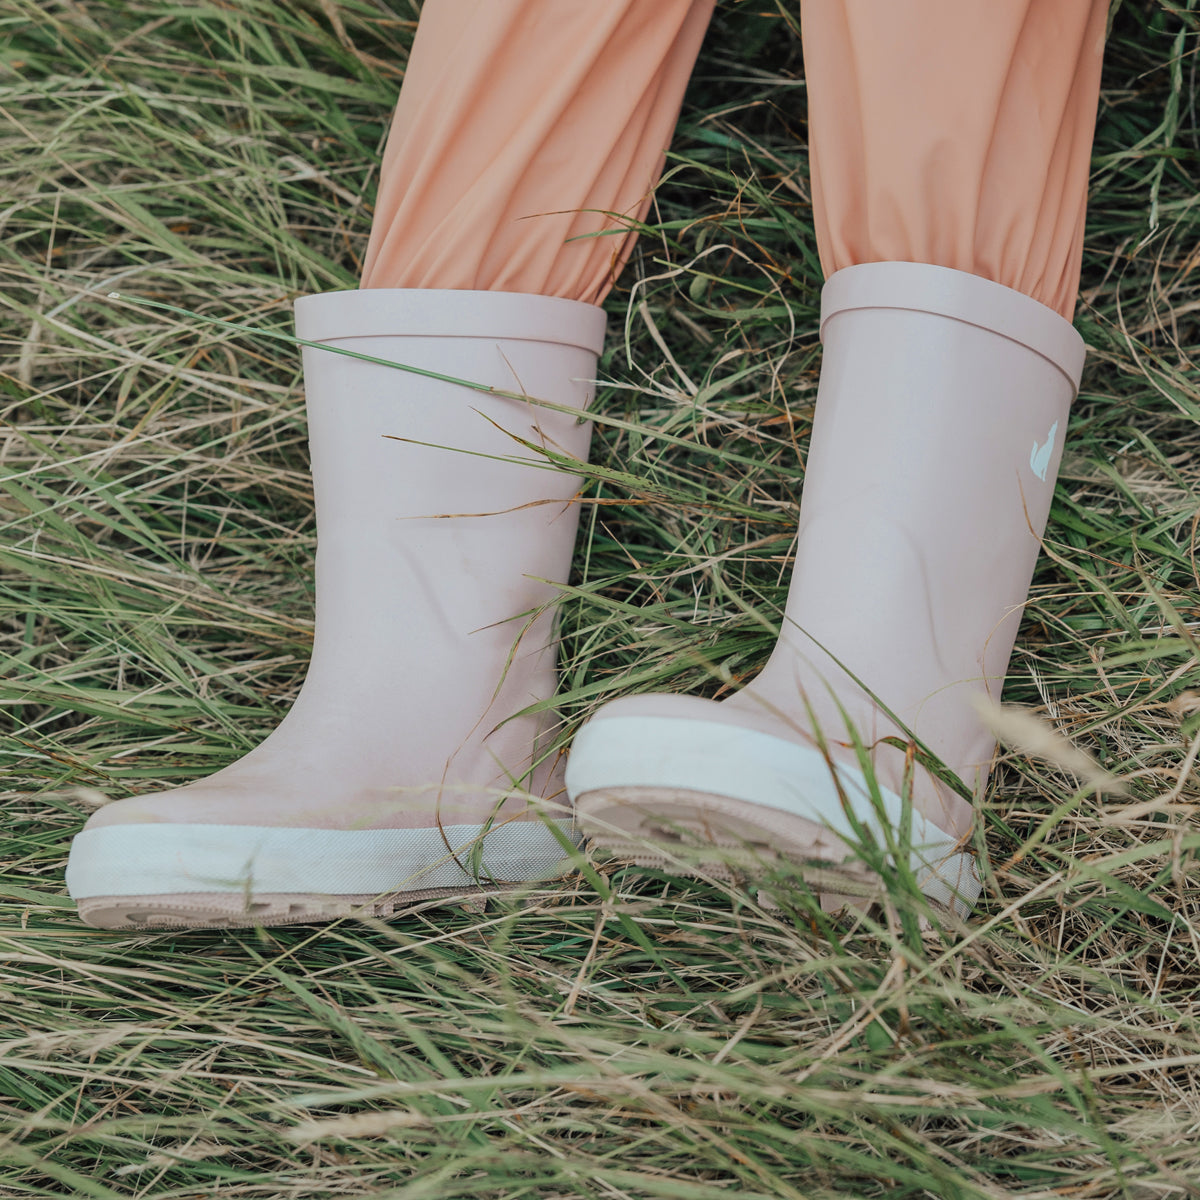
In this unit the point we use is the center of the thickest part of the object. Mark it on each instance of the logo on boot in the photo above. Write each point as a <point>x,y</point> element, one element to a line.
<point>1039,456</point>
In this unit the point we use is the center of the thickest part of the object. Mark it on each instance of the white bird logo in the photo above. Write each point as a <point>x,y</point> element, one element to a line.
<point>1039,456</point>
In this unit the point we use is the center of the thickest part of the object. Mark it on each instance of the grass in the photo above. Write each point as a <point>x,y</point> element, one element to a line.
<point>631,1035</point>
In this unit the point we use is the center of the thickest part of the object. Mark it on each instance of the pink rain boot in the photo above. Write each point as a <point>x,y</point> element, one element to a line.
<point>402,770</point>
<point>938,431</point>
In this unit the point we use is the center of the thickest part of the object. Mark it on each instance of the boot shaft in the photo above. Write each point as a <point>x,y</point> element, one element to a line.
<point>938,431</point>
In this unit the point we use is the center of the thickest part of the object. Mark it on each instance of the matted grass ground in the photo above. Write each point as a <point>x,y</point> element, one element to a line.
<point>628,1035</point>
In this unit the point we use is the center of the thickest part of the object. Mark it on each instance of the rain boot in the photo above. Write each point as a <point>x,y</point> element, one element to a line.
<point>937,435</point>
<point>414,762</point>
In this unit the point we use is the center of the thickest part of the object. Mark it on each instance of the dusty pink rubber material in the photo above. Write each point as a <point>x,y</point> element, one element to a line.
<point>415,760</point>
<point>938,432</point>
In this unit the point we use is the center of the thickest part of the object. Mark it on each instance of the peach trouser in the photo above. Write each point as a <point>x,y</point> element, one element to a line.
<point>530,133</point>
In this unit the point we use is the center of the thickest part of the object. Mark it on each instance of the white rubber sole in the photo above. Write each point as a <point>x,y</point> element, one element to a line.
<point>213,876</point>
<point>654,789</point>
